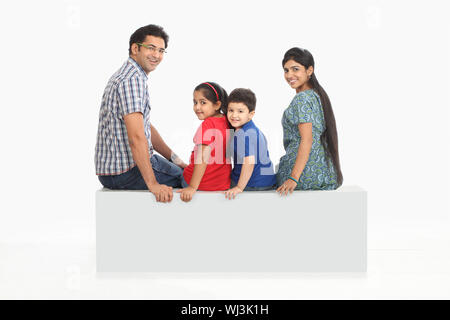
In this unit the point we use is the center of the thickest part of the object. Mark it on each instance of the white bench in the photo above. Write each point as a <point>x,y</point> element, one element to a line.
<point>308,231</point>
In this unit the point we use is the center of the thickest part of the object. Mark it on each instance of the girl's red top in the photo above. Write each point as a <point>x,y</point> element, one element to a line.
<point>212,132</point>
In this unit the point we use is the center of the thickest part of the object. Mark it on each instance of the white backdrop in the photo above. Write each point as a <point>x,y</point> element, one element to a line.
<point>384,64</point>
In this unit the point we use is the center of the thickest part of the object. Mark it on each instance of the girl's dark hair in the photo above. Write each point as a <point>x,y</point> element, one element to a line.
<point>329,137</point>
<point>151,30</point>
<point>209,94</point>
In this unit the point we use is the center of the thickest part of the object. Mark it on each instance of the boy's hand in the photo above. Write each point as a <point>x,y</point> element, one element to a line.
<point>287,187</point>
<point>186,193</point>
<point>231,194</point>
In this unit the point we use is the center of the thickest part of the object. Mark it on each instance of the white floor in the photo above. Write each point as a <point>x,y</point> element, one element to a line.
<point>406,261</point>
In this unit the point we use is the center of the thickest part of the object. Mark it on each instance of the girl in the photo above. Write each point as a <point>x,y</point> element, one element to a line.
<point>310,138</point>
<point>208,168</point>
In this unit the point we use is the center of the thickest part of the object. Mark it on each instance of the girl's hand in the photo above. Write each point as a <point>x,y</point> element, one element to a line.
<point>287,187</point>
<point>186,193</point>
<point>231,194</point>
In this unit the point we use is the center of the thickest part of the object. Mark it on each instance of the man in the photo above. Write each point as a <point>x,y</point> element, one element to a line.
<point>124,156</point>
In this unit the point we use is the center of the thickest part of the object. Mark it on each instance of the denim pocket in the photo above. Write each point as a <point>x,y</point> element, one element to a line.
<point>130,180</point>
<point>107,181</point>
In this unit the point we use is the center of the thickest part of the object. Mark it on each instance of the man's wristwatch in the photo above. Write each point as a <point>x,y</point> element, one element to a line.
<point>173,157</point>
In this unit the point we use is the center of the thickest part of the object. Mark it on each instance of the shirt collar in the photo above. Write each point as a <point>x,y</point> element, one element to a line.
<point>248,125</point>
<point>137,66</point>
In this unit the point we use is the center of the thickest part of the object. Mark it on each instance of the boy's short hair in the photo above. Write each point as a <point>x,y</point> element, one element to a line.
<point>245,96</point>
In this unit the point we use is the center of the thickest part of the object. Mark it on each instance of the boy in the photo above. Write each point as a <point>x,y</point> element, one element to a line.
<point>253,170</point>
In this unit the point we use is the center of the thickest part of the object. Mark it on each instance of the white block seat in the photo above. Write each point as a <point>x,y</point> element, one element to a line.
<point>308,231</point>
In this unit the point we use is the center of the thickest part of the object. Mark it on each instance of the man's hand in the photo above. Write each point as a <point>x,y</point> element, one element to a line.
<point>177,160</point>
<point>231,194</point>
<point>162,192</point>
<point>186,193</point>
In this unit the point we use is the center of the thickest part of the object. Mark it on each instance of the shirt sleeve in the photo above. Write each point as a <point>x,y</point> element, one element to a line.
<point>131,94</point>
<point>302,111</point>
<point>205,133</point>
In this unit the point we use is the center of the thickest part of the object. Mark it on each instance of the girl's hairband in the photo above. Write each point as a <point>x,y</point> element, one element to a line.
<point>217,96</point>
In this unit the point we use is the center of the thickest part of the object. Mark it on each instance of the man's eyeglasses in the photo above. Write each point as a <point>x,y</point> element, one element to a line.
<point>152,48</point>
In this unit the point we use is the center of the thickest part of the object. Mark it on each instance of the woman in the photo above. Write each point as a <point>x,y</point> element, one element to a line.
<point>310,138</point>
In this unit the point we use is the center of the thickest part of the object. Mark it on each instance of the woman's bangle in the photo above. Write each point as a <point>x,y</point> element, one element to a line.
<point>293,179</point>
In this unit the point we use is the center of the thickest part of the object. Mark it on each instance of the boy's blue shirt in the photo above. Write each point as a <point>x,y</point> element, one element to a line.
<point>248,141</point>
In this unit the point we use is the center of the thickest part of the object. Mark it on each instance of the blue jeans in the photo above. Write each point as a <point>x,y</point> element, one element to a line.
<point>165,172</point>
<point>253,188</point>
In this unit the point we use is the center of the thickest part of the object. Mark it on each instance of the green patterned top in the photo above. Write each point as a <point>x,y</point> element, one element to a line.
<point>319,174</point>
